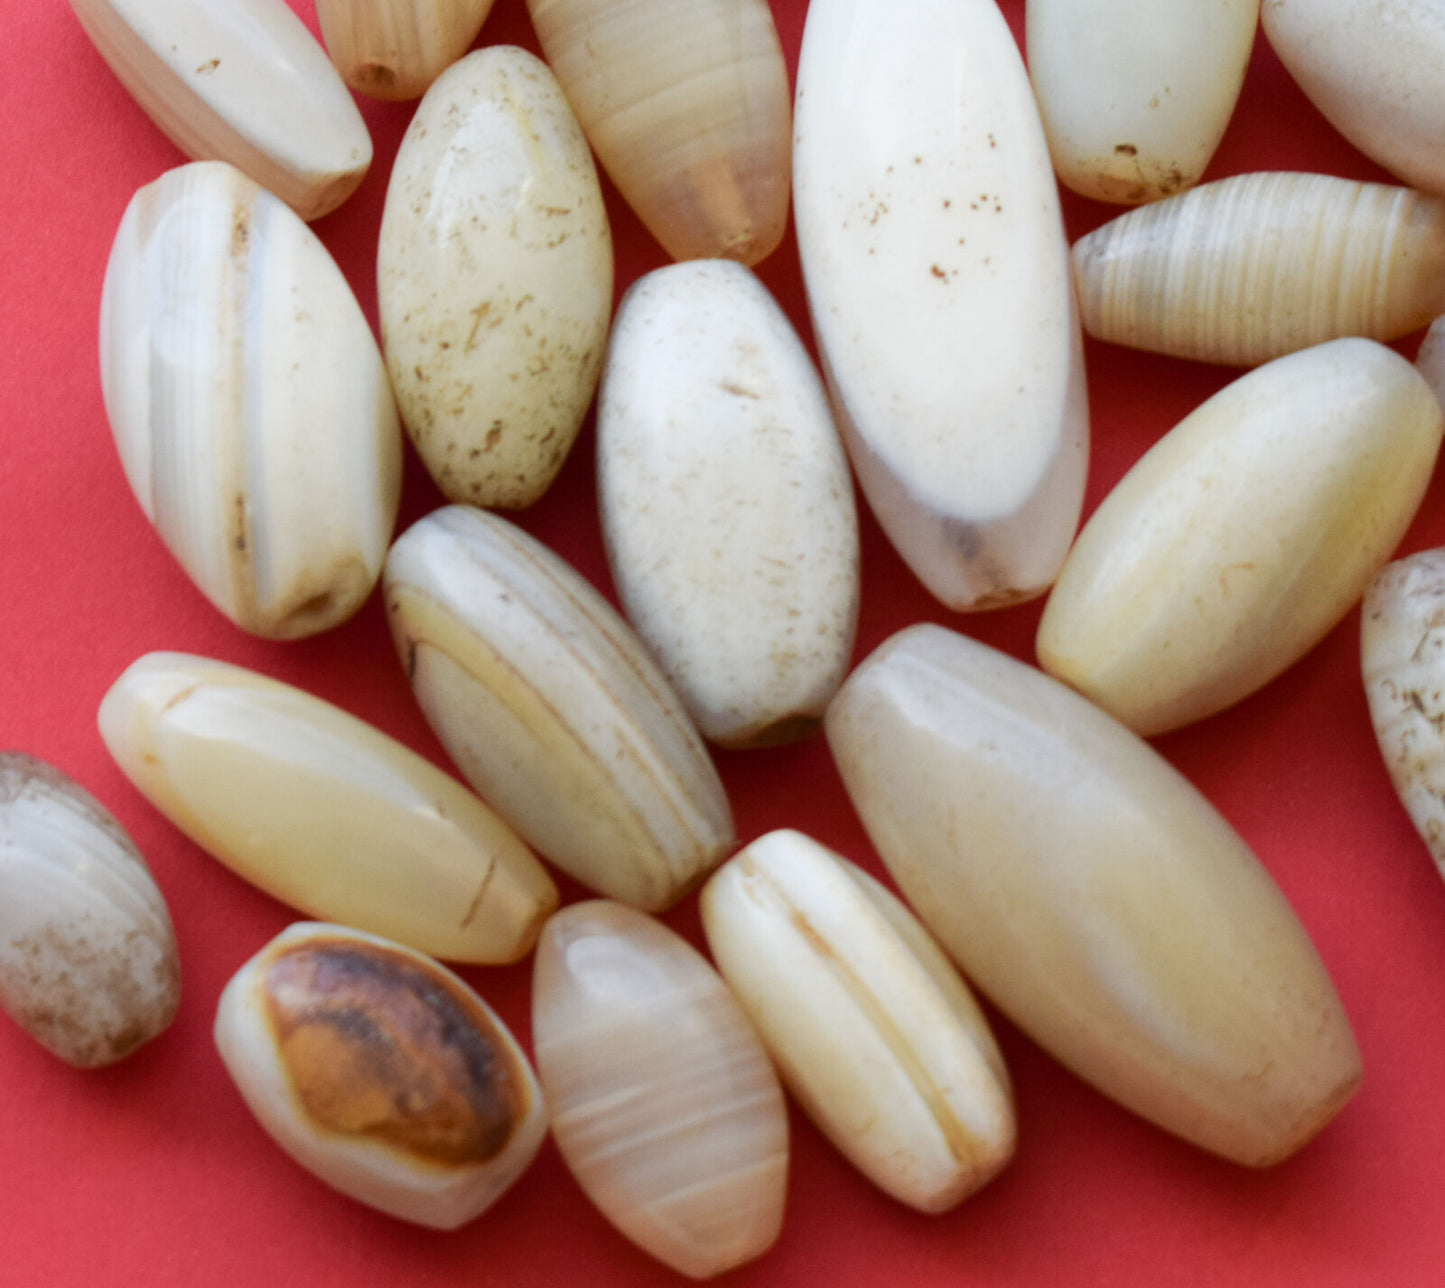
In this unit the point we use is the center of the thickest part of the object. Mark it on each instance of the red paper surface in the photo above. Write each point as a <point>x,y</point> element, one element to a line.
<point>153,1172</point>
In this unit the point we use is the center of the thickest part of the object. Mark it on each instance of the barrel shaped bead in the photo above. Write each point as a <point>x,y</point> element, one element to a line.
<point>663,1102</point>
<point>322,811</point>
<point>937,276</point>
<point>553,710</point>
<point>726,502</point>
<point>1136,94</point>
<point>242,81</point>
<point>88,959</point>
<point>394,49</point>
<point>1243,536</point>
<point>494,278</point>
<point>381,1073</point>
<point>1094,895</point>
<point>248,402</point>
<point>868,1021</point>
<point>1255,266</point>
<point>687,108</point>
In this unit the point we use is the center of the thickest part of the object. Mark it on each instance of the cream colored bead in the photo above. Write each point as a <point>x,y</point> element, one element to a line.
<point>322,811</point>
<point>553,710</point>
<point>394,49</point>
<point>1136,94</point>
<point>687,107</point>
<point>869,1023</point>
<point>1255,266</point>
<point>242,81</point>
<point>663,1102</point>
<point>88,962</point>
<point>494,278</point>
<point>1093,895</point>
<point>937,275</point>
<point>381,1072</point>
<point>248,401</point>
<point>726,502</point>
<point>1243,536</point>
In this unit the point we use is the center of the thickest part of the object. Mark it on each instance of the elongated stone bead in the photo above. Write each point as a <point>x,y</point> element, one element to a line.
<point>381,1072</point>
<point>248,402</point>
<point>1374,73</point>
<point>726,502</point>
<point>687,108</point>
<point>1255,266</point>
<point>870,1025</point>
<point>1093,895</point>
<point>1136,94</point>
<point>1243,536</point>
<point>1402,658</point>
<point>394,49</point>
<point>322,811</point>
<point>242,81</point>
<point>494,278</point>
<point>663,1102</point>
<point>88,961</point>
<point>553,710</point>
<point>938,280</point>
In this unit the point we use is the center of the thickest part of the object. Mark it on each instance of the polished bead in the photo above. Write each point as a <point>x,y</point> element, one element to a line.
<point>727,506</point>
<point>322,811</point>
<point>1094,895</point>
<point>869,1023</point>
<point>248,402</point>
<point>242,81</point>
<point>937,275</point>
<point>663,1102</point>
<point>552,708</point>
<point>381,1072</point>
<point>687,108</point>
<point>1243,536</point>
<point>494,278</point>
<point>394,49</point>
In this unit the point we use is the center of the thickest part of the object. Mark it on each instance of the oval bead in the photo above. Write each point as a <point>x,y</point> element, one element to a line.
<point>322,811</point>
<point>248,402</point>
<point>1094,896</point>
<point>1255,266</point>
<point>937,275</point>
<point>687,108</point>
<point>726,503</point>
<point>869,1023</point>
<point>381,1073</point>
<point>394,49</point>
<point>1136,94</point>
<point>1243,536</point>
<point>494,278</point>
<point>242,81</point>
<point>663,1102</point>
<point>1402,660</point>
<point>1374,73</point>
<point>553,710</point>
<point>88,960</point>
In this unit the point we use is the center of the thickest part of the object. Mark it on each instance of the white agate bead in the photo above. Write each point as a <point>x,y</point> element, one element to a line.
<point>938,279</point>
<point>663,1102</point>
<point>726,502</point>
<point>242,81</point>
<point>248,402</point>
<point>1094,895</point>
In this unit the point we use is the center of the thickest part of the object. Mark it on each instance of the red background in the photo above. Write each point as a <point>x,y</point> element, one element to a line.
<point>153,1172</point>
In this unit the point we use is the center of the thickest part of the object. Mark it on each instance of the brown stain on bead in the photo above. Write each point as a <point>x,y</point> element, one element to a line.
<point>377,1046</point>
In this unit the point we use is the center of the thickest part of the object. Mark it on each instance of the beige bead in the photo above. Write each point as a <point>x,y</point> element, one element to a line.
<point>687,107</point>
<point>663,1102</point>
<point>1240,539</point>
<point>394,49</point>
<point>381,1072</point>
<point>1095,896</point>
<point>871,1026</point>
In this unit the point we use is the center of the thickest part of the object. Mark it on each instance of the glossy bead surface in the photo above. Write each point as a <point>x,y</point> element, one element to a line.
<point>394,49</point>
